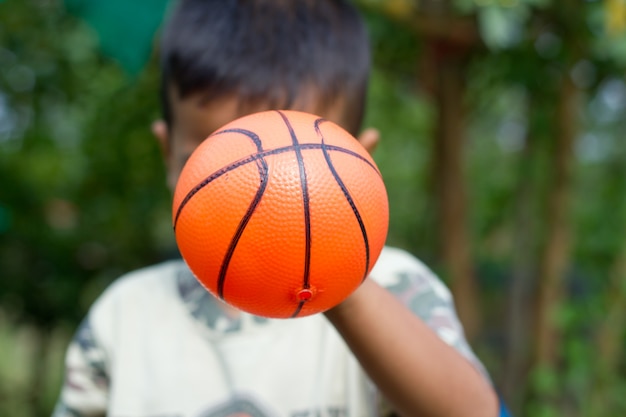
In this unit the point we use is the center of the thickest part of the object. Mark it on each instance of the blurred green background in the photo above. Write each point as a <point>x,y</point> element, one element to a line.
<point>502,150</point>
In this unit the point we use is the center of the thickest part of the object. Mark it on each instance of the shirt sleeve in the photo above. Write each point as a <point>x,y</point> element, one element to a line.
<point>418,288</point>
<point>85,389</point>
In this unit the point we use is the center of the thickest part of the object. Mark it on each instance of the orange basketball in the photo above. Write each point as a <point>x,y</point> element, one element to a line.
<point>280,214</point>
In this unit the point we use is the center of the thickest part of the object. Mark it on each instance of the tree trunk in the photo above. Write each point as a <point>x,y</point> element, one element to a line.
<point>554,258</point>
<point>517,359</point>
<point>610,339</point>
<point>450,189</point>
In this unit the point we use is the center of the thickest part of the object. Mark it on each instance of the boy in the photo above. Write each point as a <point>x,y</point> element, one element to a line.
<point>157,344</point>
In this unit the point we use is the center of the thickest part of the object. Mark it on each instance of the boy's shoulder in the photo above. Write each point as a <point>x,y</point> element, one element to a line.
<point>422,292</point>
<point>155,278</point>
<point>395,267</point>
<point>151,285</point>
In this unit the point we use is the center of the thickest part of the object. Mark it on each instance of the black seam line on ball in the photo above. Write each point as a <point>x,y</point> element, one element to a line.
<point>262,166</point>
<point>253,136</point>
<point>298,309</point>
<point>346,193</point>
<point>263,178</point>
<point>305,201</point>
<point>259,147</point>
<point>252,158</point>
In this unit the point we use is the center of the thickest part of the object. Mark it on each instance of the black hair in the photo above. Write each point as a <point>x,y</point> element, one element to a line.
<point>267,51</point>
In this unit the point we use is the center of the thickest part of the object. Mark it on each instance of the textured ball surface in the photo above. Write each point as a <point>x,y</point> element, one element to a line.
<point>280,214</point>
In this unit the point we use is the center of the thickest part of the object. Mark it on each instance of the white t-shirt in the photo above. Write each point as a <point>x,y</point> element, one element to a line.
<point>157,344</point>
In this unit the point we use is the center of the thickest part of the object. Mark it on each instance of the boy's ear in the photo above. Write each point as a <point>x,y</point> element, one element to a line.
<point>160,131</point>
<point>369,138</point>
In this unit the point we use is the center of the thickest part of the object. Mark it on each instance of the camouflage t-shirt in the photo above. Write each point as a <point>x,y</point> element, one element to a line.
<point>157,344</point>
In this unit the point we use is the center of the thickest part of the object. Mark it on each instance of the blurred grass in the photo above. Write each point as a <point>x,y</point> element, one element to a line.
<point>18,344</point>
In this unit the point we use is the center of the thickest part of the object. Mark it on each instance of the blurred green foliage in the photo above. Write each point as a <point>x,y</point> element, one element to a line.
<point>82,196</point>
<point>81,178</point>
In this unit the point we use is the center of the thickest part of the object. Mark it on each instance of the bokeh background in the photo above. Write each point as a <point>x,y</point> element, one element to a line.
<point>504,153</point>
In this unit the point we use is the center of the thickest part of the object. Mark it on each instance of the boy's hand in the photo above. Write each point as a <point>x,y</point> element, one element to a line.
<point>417,372</point>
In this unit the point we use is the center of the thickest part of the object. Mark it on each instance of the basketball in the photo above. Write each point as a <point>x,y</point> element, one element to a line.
<point>280,214</point>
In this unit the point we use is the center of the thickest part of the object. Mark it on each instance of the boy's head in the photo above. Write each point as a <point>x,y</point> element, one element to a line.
<point>221,59</point>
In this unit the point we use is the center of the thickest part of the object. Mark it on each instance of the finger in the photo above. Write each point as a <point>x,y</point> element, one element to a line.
<point>369,138</point>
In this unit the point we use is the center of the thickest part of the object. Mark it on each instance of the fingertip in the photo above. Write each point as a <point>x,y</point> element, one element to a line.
<point>369,138</point>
